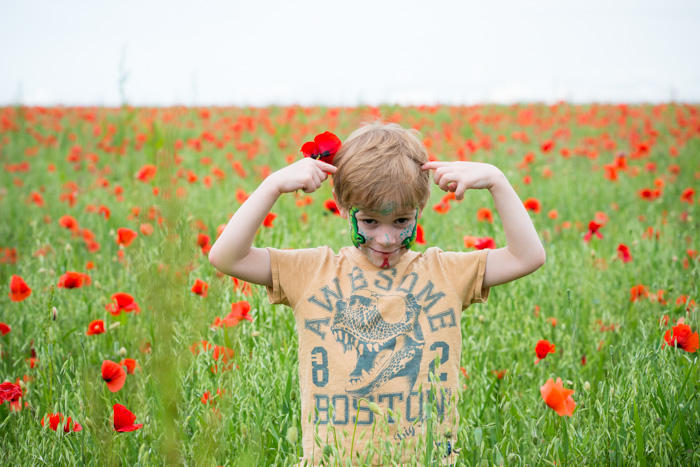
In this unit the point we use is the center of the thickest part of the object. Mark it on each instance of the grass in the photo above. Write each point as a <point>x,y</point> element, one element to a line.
<point>636,399</point>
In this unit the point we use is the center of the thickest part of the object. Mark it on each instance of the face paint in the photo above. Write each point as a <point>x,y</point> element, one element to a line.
<point>357,238</point>
<point>410,240</point>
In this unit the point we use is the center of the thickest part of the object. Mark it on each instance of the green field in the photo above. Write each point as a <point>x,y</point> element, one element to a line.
<point>234,400</point>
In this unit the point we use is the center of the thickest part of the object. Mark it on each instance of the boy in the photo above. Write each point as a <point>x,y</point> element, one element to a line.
<point>374,318</point>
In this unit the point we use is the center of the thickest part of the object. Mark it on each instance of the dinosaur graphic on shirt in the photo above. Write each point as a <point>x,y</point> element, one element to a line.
<point>384,350</point>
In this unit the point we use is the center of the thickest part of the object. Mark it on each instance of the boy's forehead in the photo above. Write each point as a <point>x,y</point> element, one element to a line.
<point>389,208</point>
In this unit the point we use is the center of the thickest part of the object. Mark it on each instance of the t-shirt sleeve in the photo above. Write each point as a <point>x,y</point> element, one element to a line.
<point>292,273</point>
<point>465,273</point>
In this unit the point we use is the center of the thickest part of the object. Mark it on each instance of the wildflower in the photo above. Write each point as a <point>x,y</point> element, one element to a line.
<point>19,290</point>
<point>499,374</point>
<point>376,409</point>
<point>122,301</point>
<point>420,236</point>
<point>113,374</point>
<point>54,419</point>
<point>623,252</point>
<point>543,348</point>
<point>239,312</point>
<point>593,228</point>
<point>268,219</point>
<point>68,222</point>
<point>10,392</point>
<point>323,147</point>
<point>130,365</point>
<point>683,338</point>
<point>146,173</point>
<point>331,206</point>
<point>637,292</point>
<point>442,207</point>
<point>688,195</point>
<point>124,419</point>
<point>125,236</point>
<point>96,327</point>
<point>533,204</point>
<point>4,329</point>
<point>484,215</point>
<point>558,398</point>
<point>73,280</point>
<point>200,288</point>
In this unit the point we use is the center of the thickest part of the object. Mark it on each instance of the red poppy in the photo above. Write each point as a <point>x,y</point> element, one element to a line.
<point>442,207</point>
<point>113,374</point>
<point>124,419</point>
<point>54,419</point>
<point>547,145</point>
<point>558,398</point>
<point>683,338</point>
<point>200,288</point>
<point>239,312</point>
<point>331,205</point>
<point>96,327</point>
<point>485,243</point>
<point>146,173</point>
<point>499,374</point>
<point>73,280</point>
<point>593,228</point>
<point>420,235</point>
<point>484,215</point>
<point>533,204</point>
<point>122,301</point>
<point>323,147</point>
<point>623,252</point>
<point>19,290</point>
<point>10,392</point>
<point>648,194</point>
<point>687,196</point>
<point>637,292</point>
<point>268,219</point>
<point>543,348</point>
<point>68,222</point>
<point>125,236</point>
<point>4,329</point>
<point>130,365</point>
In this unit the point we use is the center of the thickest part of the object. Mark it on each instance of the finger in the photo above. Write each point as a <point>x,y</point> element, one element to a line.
<point>432,165</point>
<point>459,192</point>
<point>328,168</point>
<point>446,179</point>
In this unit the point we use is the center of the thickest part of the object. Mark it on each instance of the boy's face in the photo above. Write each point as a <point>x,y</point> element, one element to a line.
<point>383,236</point>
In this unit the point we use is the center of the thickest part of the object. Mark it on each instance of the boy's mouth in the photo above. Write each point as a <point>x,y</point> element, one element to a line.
<point>385,256</point>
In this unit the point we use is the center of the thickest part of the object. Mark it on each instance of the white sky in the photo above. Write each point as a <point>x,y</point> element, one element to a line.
<point>261,52</point>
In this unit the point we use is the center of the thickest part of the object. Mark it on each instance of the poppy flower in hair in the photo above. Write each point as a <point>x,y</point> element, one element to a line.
<point>323,147</point>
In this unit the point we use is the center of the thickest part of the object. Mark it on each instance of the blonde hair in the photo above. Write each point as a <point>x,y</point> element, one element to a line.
<point>380,163</point>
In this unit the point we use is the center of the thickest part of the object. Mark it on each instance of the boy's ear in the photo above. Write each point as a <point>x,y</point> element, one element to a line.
<point>343,212</point>
<point>420,212</point>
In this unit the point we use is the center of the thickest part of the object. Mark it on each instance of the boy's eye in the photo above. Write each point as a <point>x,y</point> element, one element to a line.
<point>368,221</point>
<point>402,220</point>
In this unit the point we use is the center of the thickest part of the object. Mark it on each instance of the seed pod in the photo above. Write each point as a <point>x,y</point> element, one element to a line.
<point>376,409</point>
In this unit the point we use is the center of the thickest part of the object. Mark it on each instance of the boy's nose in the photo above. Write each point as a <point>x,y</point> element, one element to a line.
<point>387,238</point>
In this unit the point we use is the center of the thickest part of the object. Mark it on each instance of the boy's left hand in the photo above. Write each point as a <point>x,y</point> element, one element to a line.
<point>460,176</point>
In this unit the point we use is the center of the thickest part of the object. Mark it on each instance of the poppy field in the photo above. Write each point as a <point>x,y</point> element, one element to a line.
<point>121,345</point>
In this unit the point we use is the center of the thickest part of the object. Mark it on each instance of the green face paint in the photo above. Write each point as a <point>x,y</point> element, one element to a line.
<point>355,235</point>
<point>409,241</point>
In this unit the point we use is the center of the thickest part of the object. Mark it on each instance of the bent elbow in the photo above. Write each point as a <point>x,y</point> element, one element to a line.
<point>214,259</point>
<point>540,259</point>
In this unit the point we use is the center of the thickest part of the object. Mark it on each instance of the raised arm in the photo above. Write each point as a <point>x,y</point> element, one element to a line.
<point>524,252</point>
<point>233,252</point>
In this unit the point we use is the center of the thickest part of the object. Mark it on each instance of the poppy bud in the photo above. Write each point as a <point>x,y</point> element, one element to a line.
<point>68,248</point>
<point>122,352</point>
<point>54,313</point>
<point>481,318</point>
<point>255,333</point>
<point>587,386</point>
<point>292,435</point>
<point>376,409</point>
<point>114,325</point>
<point>23,386</point>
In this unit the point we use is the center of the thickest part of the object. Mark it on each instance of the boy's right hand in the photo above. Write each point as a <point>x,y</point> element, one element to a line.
<point>306,174</point>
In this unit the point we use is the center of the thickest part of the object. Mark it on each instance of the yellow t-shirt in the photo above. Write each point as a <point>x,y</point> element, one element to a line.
<point>374,334</point>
